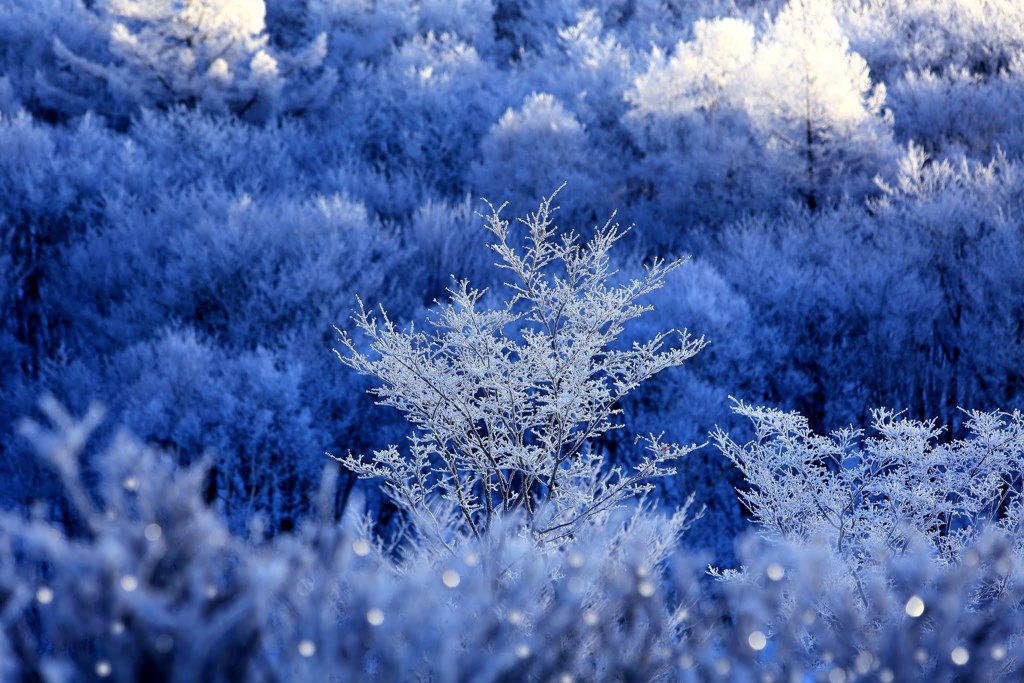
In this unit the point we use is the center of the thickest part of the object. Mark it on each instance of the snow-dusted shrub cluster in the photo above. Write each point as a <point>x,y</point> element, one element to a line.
<point>881,496</point>
<point>141,580</point>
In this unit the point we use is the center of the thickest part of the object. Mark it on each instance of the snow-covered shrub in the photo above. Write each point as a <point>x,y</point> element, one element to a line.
<point>534,148</point>
<point>896,556</point>
<point>794,612</point>
<point>878,495</point>
<point>420,113</point>
<point>146,581</point>
<point>141,580</point>
<point>507,399</point>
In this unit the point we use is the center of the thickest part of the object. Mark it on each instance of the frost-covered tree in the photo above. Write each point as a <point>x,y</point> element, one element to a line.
<point>508,399</point>
<point>958,112</point>
<point>49,199</point>
<point>952,69</point>
<point>245,411</point>
<point>690,401</point>
<point>368,31</point>
<point>444,239</point>
<point>962,242</point>
<point>26,47</point>
<point>733,121</point>
<point>530,26</point>
<point>240,325</point>
<point>813,102</point>
<point>700,156</point>
<point>361,31</point>
<point>932,35</point>
<point>590,71</point>
<point>208,54</point>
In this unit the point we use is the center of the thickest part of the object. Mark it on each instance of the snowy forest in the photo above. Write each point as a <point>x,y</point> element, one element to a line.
<point>511,340</point>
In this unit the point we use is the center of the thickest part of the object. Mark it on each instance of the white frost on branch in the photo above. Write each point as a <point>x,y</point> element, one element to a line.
<point>879,494</point>
<point>508,401</point>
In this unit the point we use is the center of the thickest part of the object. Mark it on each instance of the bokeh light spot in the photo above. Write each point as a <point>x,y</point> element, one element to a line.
<point>307,648</point>
<point>451,578</point>
<point>914,607</point>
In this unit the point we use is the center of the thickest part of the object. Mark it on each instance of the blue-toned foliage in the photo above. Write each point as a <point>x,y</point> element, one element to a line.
<point>192,194</point>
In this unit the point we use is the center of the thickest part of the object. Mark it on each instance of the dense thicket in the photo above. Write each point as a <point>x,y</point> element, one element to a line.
<point>193,193</point>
